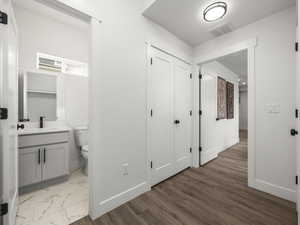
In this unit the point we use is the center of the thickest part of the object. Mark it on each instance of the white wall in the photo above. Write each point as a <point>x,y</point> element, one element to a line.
<point>243,106</point>
<point>222,133</point>
<point>76,110</point>
<point>118,98</point>
<point>275,69</point>
<point>40,33</point>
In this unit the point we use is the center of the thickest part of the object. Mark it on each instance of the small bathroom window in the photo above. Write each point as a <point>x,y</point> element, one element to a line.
<point>61,65</point>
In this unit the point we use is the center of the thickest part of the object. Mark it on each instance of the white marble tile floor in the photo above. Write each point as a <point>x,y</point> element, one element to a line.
<point>60,204</point>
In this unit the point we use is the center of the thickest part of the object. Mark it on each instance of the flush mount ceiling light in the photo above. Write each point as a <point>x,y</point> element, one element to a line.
<point>215,11</point>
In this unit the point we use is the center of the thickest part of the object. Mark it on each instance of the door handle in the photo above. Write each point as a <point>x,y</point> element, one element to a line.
<point>39,159</point>
<point>20,126</point>
<point>294,132</point>
<point>177,121</point>
<point>44,155</point>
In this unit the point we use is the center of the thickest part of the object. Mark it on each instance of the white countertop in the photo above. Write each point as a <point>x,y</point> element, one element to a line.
<point>46,130</point>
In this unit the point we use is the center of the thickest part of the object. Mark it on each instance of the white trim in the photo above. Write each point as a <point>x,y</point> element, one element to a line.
<point>119,199</point>
<point>68,9</point>
<point>92,159</point>
<point>249,45</point>
<point>159,47</point>
<point>148,118</point>
<point>276,190</point>
<point>251,115</point>
<point>211,154</point>
<point>170,54</point>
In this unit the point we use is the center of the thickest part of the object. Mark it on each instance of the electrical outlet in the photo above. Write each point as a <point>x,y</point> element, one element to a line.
<point>125,169</point>
<point>273,108</point>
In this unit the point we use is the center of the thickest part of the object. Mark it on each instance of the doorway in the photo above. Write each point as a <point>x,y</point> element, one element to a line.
<point>223,104</point>
<point>247,49</point>
<point>45,171</point>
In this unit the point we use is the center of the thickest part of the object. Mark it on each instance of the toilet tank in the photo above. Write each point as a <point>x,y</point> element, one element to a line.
<point>81,136</point>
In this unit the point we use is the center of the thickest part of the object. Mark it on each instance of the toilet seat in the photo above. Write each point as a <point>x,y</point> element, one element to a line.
<point>85,151</point>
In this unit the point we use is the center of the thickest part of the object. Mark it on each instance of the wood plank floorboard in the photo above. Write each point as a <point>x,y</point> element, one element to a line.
<point>216,194</point>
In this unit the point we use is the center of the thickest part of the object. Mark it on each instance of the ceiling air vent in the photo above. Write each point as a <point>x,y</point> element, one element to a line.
<point>221,30</point>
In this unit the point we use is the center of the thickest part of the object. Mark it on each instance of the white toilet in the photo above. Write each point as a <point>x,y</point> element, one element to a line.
<point>81,138</point>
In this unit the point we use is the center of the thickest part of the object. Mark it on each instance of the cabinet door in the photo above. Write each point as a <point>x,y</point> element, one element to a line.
<point>30,170</point>
<point>55,161</point>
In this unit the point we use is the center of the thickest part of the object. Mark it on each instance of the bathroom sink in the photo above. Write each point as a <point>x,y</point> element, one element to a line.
<point>34,130</point>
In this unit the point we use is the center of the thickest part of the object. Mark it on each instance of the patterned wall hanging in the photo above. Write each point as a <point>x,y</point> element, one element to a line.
<point>221,101</point>
<point>230,100</point>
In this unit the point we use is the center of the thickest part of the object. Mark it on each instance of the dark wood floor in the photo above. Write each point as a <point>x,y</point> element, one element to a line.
<point>216,194</point>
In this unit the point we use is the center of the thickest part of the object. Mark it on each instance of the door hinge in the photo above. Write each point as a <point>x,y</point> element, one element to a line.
<point>4,209</point>
<point>191,112</point>
<point>151,113</point>
<point>191,150</point>
<point>297,113</point>
<point>296,46</point>
<point>200,149</point>
<point>191,76</point>
<point>200,112</point>
<point>151,61</point>
<point>3,17</point>
<point>3,113</point>
<point>296,180</point>
<point>151,164</point>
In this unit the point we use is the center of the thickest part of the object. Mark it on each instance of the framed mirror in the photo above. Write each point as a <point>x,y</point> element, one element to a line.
<point>40,95</point>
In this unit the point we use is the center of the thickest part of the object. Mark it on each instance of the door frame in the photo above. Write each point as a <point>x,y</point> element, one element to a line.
<point>249,45</point>
<point>11,209</point>
<point>148,46</point>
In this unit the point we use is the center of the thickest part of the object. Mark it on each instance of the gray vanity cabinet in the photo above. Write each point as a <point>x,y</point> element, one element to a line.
<point>43,157</point>
<point>30,167</point>
<point>54,161</point>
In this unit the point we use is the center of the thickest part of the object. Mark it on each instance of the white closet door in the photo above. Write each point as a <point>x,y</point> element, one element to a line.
<point>208,118</point>
<point>182,109</point>
<point>161,122</point>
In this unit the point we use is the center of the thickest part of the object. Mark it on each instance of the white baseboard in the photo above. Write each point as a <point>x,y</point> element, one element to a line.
<point>208,155</point>
<point>211,154</point>
<point>229,145</point>
<point>276,190</point>
<point>115,201</point>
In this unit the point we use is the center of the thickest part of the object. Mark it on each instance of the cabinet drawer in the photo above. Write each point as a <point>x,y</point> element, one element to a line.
<point>42,139</point>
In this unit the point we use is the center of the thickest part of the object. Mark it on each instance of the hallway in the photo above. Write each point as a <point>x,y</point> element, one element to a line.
<point>216,194</point>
